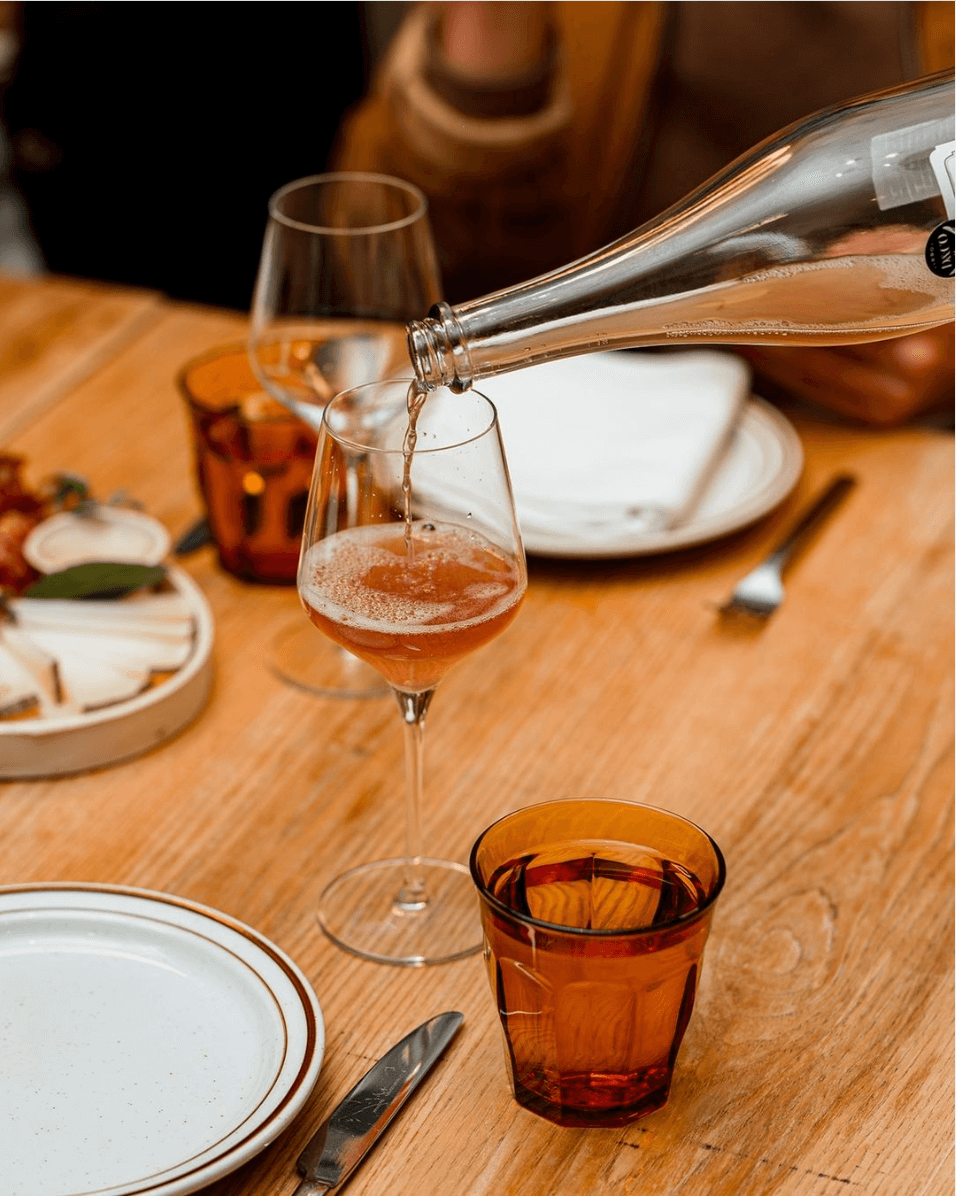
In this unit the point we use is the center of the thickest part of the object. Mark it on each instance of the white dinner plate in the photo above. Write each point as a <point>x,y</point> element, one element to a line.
<point>147,1044</point>
<point>760,467</point>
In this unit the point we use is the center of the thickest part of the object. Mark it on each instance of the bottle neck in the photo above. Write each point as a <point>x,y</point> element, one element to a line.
<point>803,240</point>
<point>437,348</point>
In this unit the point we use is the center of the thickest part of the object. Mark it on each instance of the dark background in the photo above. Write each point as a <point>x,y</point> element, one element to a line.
<point>147,137</point>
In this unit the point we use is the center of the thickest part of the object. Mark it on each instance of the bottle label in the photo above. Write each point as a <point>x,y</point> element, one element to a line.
<point>941,160</point>
<point>903,171</point>
<point>939,250</point>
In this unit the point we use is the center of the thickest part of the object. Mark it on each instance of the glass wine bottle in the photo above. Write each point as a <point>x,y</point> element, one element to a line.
<point>838,229</point>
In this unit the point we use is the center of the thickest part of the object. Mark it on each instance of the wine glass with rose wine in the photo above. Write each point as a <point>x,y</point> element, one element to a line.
<point>347,259</point>
<point>411,559</point>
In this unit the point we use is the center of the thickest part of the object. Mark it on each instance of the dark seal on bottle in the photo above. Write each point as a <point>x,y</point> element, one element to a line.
<point>939,250</point>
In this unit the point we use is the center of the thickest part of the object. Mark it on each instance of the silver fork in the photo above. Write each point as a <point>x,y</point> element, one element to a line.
<point>761,591</point>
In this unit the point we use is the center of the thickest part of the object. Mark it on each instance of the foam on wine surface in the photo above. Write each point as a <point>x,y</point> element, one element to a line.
<point>411,614</point>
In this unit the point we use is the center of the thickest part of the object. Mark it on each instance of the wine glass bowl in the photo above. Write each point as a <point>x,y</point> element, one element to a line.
<point>410,579</point>
<point>347,259</point>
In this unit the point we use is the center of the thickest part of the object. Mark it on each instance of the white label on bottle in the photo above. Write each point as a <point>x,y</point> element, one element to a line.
<point>902,172</point>
<point>941,160</point>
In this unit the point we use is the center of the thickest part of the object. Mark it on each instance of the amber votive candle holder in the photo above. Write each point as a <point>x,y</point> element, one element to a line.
<point>253,462</point>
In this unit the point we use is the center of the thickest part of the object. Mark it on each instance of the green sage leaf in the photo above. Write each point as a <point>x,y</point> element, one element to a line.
<point>96,579</point>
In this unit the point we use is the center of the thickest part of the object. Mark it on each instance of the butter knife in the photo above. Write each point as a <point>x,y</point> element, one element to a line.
<point>356,1123</point>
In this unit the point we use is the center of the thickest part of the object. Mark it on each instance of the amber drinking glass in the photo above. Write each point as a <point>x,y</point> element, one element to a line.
<point>595,916</point>
<point>253,463</point>
<point>411,563</point>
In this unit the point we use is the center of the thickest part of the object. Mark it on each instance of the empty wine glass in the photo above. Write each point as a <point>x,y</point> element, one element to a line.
<point>411,569</point>
<point>346,260</point>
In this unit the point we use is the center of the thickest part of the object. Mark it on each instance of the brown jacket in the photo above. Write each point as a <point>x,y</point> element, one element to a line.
<point>513,196</point>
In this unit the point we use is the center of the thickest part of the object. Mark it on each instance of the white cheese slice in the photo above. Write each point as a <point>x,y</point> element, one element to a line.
<point>124,652</point>
<point>19,690</point>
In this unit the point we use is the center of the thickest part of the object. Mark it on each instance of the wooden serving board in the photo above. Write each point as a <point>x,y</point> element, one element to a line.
<point>54,746</point>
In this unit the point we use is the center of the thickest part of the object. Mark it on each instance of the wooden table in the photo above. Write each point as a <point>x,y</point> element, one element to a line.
<point>817,751</point>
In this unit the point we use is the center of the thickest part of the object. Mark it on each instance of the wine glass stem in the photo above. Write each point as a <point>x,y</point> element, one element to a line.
<point>413,708</point>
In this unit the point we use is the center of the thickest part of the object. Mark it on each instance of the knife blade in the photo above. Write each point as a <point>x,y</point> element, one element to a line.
<point>194,537</point>
<point>342,1141</point>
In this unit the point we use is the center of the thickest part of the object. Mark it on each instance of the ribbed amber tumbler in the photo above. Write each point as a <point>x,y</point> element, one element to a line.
<point>595,916</point>
<point>253,462</point>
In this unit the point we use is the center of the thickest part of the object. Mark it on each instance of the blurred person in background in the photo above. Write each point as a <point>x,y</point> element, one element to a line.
<point>19,252</point>
<point>542,131</point>
<point>146,138</point>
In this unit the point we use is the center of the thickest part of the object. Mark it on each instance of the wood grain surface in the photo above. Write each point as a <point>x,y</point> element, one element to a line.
<point>816,749</point>
<point>53,337</point>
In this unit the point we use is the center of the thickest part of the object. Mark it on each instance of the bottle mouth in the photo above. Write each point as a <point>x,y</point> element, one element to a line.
<point>437,349</point>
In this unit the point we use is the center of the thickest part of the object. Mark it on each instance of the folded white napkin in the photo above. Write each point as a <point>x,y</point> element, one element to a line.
<point>616,442</point>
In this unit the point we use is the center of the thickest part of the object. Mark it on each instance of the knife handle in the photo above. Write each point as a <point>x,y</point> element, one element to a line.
<point>311,1187</point>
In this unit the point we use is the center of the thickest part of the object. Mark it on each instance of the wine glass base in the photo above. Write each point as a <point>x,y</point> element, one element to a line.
<point>362,912</point>
<point>301,656</point>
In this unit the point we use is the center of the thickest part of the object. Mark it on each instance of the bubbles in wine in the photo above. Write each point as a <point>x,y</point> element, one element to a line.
<point>362,578</point>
